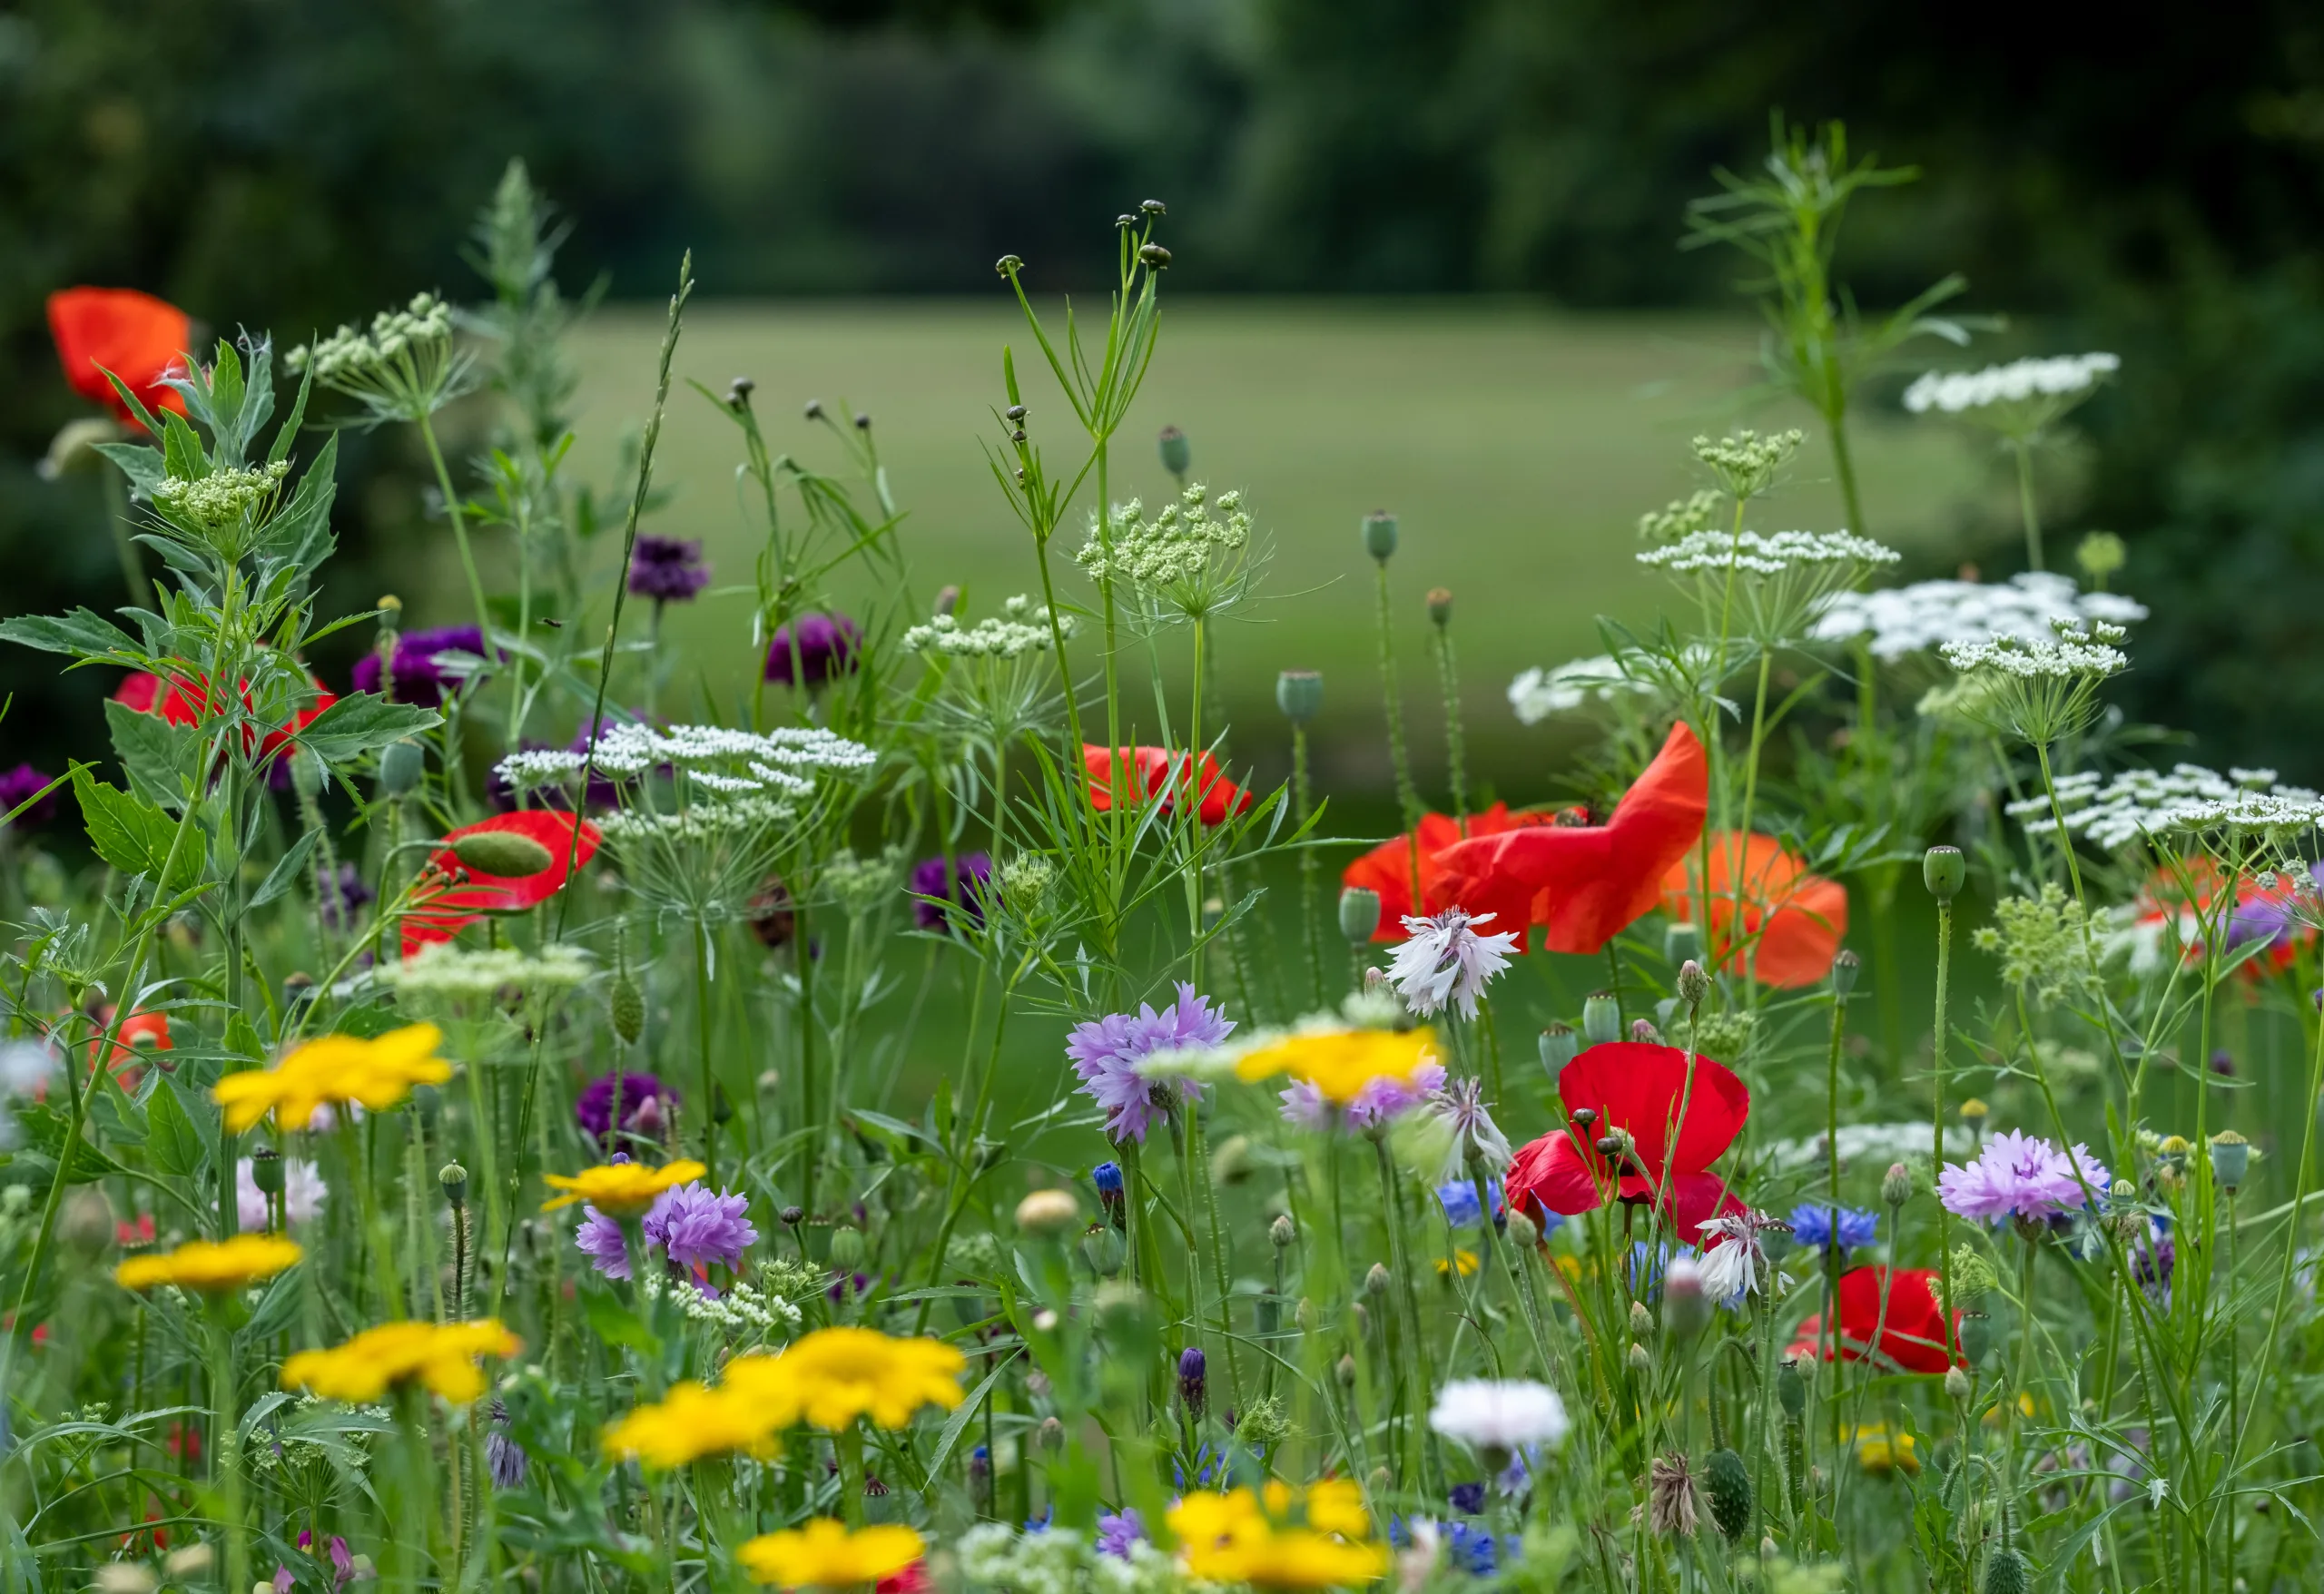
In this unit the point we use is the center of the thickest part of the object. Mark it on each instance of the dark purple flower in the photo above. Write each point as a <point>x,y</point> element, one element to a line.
<point>1469,1498</point>
<point>1107,1177</point>
<point>424,675</point>
<point>647,1104</point>
<point>827,645</point>
<point>667,569</point>
<point>340,896</point>
<point>1106,1053</point>
<point>1194,1379</point>
<point>1117,1530</point>
<point>972,871</point>
<point>502,1456</point>
<point>18,784</point>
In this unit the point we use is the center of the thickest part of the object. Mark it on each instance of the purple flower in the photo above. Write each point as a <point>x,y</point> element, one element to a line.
<point>502,1456</point>
<point>2017,1175</point>
<point>1194,1379</point>
<point>972,871</point>
<point>827,643</point>
<point>423,675</point>
<point>1811,1226</point>
<point>1381,1101</point>
<point>599,1238</point>
<point>20,783</point>
<point>1117,1530</point>
<point>647,1104</point>
<point>1106,1053</point>
<point>692,1225</point>
<point>667,569</point>
<point>1468,1499</point>
<point>339,895</point>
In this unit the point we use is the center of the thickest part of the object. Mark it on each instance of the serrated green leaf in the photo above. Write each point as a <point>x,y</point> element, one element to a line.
<point>301,530</point>
<point>173,1142</point>
<point>616,1324</point>
<point>140,462</point>
<point>158,757</point>
<point>84,633</point>
<point>363,722</point>
<point>134,835</point>
<point>286,870</point>
<point>182,451</point>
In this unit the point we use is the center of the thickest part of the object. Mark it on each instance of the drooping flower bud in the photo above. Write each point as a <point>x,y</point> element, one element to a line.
<point>1601,1019</point>
<point>1380,534</point>
<point>1944,870</point>
<point>401,765</point>
<point>1177,454</point>
<point>1299,694</point>
<point>1359,914</point>
<point>1560,1046</point>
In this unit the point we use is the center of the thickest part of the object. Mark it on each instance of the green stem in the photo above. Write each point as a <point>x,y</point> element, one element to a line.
<point>1303,805</point>
<point>225,1451</point>
<point>2022,448</point>
<point>702,1036</point>
<point>458,517</point>
<point>1448,677</point>
<point>1407,793</point>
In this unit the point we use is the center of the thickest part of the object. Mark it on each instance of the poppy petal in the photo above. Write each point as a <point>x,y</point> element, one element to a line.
<point>1552,1173</point>
<point>1644,1090</point>
<point>1791,921</point>
<point>136,336</point>
<point>570,842</point>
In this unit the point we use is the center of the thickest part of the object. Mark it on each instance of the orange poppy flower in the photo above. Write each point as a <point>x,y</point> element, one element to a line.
<point>1799,918</point>
<point>446,912</point>
<point>186,702</point>
<point>136,336</point>
<point>1159,772</point>
<point>1387,869</point>
<point>2182,902</point>
<point>124,1059</point>
<point>1587,883</point>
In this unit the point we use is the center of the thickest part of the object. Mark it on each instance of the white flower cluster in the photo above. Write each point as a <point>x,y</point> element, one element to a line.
<point>729,761</point>
<point>1022,629</point>
<point>1537,694</point>
<point>224,497</point>
<point>1057,1562</point>
<point>1177,545</point>
<point>350,355</point>
<point>1503,1414</point>
<point>2071,653</point>
<point>2059,376</point>
<point>444,970</point>
<point>1902,620</point>
<point>739,1310</point>
<point>2115,812</point>
<point>1872,1143</point>
<point>699,823</point>
<point>1754,555</point>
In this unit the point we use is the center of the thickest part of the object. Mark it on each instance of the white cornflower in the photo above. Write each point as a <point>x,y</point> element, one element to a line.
<point>1709,552</point>
<point>1477,1140</point>
<point>1446,962</point>
<point>2188,798</point>
<point>1500,1414</point>
<point>1734,1262</point>
<point>1902,620</point>
<point>2064,376</point>
<point>1537,694</point>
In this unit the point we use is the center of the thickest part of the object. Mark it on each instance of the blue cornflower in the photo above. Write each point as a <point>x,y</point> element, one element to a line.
<point>1811,1226</point>
<point>1471,1548</point>
<point>1462,1208</point>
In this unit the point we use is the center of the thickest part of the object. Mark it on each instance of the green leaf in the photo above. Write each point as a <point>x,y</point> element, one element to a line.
<point>616,1324</point>
<point>363,722</point>
<point>84,634</point>
<point>140,462</point>
<point>370,1021</point>
<point>133,834</point>
<point>158,757</point>
<point>958,1421</point>
<point>181,452</point>
<point>171,1141</point>
<point>286,870</point>
<point>301,530</point>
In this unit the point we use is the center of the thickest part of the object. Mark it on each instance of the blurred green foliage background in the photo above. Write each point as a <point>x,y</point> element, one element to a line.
<point>2156,189</point>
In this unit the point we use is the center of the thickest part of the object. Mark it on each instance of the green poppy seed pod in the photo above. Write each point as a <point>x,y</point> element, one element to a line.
<point>1440,606</point>
<point>2006,1573</point>
<point>628,1005</point>
<point>455,1180</point>
<point>1601,1019</point>
<point>266,1170</point>
<point>1681,942</point>
<point>401,765</point>
<point>1976,1336</point>
<point>1845,969</point>
<point>1299,694</point>
<point>1048,1214</point>
<point>1103,1248</point>
<point>503,853</point>
<point>2230,1159</point>
<point>847,1247</point>
<point>1727,1482</point>
<point>1958,1385</point>
<point>1282,1233</point>
<point>1945,870</point>
<point>1694,985</point>
<point>1791,1390</point>
<point>1896,1184</point>
<point>1559,1046</point>
<point>1359,913</point>
<point>1177,454</point>
<point>1376,1283</point>
<point>1380,536</point>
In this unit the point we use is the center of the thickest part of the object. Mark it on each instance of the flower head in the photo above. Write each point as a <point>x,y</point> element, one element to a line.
<point>1778,924</point>
<point>1899,1305</point>
<point>824,1554</point>
<point>826,646</point>
<point>622,1189</point>
<point>835,1375</point>
<point>1672,1116</point>
<point>211,1267</point>
<point>1734,1259</point>
<point>2018,399</point>
<point>1342,1065</point>
<point>17,787</point>
<point>1239,1538</point>
<point>1117,1530</point>
<point>137,337</point>
<point>636,1104</point>
<point>1812,1226</point>
<point>667,569</point>
<point>971,875</point>
<point>1106,1053</point>
<point>1500,1414</point>
<point>429,665</point>
<point>1139,775</point>
<point>375,1073</point>
<point>1446,963</point>
<point>441,1356</point>
<point>463,894</point>
<point>302,1192</point>
<point>1900,621</point>
<point>2019,1175</point>
<point>687,1424</point>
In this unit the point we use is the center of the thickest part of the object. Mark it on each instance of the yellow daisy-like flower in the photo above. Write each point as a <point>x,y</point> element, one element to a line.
<point>1877,1452</point>
<point>375,1074</point>
<point>442,1356</point>
<point>212,1266</point>
<point>620,1189</point>
<point>1462,1258</point>
<point>1341,1063</point>
<point>687,1424</point>
<point>823,1554</point>
<point>1231,1539</point>
<point>835,1375</point>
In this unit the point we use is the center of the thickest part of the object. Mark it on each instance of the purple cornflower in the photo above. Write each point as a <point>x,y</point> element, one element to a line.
<point>667,569</point>
<point>2153,1262</point>
<point>692,1225</point>
<point>1379,1102</point>
<point>1106,1053</point>
<point>18,784</point>
<point>1468,1499</point>
<point>828,644</point>
<point>2018,1175</point>
<point>423,675</point>
<point>502,1456</point>
<point>647,1104</point>
<point>340,895</point>
<point>1194,1379</point>
<point>971,873</point>
<point>1811,1226</point>
<point>1117,1530</point>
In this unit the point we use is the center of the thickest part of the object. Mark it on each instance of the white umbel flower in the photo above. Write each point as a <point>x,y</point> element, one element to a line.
<point>2187,799</point>
<point>1507,1414</point>
<point>1446,962</point>
<point>1779,555</point>
<point>1898,621</point>
<point>1537,694</point>
<point>2059,376</point>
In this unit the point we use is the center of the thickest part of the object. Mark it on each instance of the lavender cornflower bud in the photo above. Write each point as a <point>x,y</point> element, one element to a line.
<point>1359,914</point>
<point>1845,969</point>
<point>1380,536</point>
<point>1896,1184</point>
<point>502,1456</point>
<point>1194,1383</point>
<point>1282,1234</point>
<point>1299,694</point>
<point>1601,1019</point>
<point>1694,985</point>
<point>1177,454</point>
<point>1642,1031</point>
<point>1943,870</point>
<point>1560,1046</point>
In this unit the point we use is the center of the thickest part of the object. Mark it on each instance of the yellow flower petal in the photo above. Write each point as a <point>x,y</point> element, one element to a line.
<point>213,1267</point>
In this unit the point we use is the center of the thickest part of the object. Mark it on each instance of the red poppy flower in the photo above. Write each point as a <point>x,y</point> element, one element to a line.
<point>2185,898</point>
<point>1162,772</point>
<point>134,335</point>
<point>1589,882</point>
<point>1387,869</point>
<point>1676,1133</point>
<point>1799,918</point>
<point>1913,1334</point>
<point>913,1580</point>
<point>186,702</point>
<point>124,1059</point>
<point>139,1233</point>
<point>458,905</point>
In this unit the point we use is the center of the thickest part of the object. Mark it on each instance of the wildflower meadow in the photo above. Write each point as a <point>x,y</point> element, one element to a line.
<point>467,1124</point>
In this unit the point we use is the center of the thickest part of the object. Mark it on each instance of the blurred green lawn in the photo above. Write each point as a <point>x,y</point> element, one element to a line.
<point>1518,445</point>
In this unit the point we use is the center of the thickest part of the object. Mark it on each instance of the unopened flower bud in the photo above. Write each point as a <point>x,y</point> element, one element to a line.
<point>1154,256</point>
<point>1642,1320</point>
<point>1694,985</point>
<point>1957,1385</point>
<point>1523,1231</point>
<point>1303,1314</point>
<point>1299,694</point>
<point>1049,1214</point>
<point>1601,1019</point>
<point>1973,1113</point>
<point>1644,1033</point>
<point>1583,1118</point>
<point>1177,454</point>
<point>503,853</point>
<point>1896,1184</point>
<point>1944,870</point>
<point>2231,1158</point>
<point>1440,606</point>
<point>793,1215</point>
<point>1359,914</point>
<point>1346,1372</point>
<point>1194,1380</point>
<point>455,1180</point>
<point>1641,1357</point>
<point>1559,1046</point>
<point>1380,534</point>
<point>1376,1281</point>
<point>1052,1434</point>
<point>401,765</point>
<point>1845,969</point>
<point>1681,942</point>
<point>1282,1232</point>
